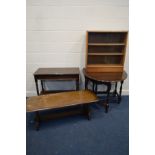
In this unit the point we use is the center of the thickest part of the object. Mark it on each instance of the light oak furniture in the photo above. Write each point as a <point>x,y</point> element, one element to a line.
<point>60,100</point>
<point>60,74</point>
<point>105,78</point>
<point>105,51</point>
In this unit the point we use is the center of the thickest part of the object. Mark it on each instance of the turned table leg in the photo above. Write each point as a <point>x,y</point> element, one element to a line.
<point>107,99</point>
<point>120,92</point>
<point>115,91</point>
<point>95,88</point>
<point>86,83</point>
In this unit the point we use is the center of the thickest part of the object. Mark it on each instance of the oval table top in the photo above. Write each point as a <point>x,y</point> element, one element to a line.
<point>105,76</point>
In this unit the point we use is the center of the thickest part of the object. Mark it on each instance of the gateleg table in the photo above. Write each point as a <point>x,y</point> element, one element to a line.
<point>105,78</point>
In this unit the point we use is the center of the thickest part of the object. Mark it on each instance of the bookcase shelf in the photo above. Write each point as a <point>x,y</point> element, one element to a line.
<point>105,51</point>
<point>106,44</point>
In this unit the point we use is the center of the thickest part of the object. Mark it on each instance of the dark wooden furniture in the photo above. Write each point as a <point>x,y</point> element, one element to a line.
<point>105,51</point>
<point>60,100</point>
<point>62,74</point>
<point>105,78</point>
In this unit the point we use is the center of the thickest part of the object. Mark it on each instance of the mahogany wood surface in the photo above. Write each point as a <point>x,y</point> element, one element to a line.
<point>105,76</point>
<point>64,74</point>
<point>57,71</point>
<point>60,100</point>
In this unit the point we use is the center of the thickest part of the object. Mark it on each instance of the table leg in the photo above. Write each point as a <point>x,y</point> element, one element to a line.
<point>87,111</point>
<point>42,85</point>
<point>37,120</point>
<point>96,88</point>
<point>107,99</point>
<point>93,88</point>
<point>86,83</point>
<point>115,91</point>
<point>77,84</point>
<point>120,92</point>
<point>36,82</point>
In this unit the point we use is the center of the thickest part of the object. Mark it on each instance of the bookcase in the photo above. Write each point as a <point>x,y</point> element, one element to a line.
<point>105,51</point>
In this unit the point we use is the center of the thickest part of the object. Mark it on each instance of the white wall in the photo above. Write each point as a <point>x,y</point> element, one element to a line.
<point>56,32</point>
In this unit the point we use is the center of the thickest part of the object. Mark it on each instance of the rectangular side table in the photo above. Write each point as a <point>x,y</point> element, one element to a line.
<point>62,74</point>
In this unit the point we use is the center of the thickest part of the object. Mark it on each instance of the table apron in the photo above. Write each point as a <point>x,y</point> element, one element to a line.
<point>57,77</point>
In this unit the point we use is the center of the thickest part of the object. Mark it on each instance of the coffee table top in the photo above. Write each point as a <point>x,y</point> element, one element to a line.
<point>57,71</point>
<point>105,76</point>
<point>59,100</point>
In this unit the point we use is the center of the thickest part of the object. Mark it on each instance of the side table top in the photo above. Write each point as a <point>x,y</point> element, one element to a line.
<point>105,76</point>
<point>57,71</point>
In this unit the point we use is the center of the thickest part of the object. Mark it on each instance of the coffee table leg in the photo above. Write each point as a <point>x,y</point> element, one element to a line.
<point>37,120</point>
<point>87,111</point>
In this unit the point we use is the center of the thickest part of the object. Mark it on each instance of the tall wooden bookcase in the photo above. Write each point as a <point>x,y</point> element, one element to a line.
<point>105,51</point>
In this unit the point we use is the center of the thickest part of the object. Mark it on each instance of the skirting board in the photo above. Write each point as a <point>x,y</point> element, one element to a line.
<point>33,93</point>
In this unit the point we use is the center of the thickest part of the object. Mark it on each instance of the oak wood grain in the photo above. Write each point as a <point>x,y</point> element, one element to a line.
<point>60,100</point>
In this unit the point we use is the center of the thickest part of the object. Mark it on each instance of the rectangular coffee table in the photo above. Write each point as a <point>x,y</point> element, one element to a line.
<point>60,100</point>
